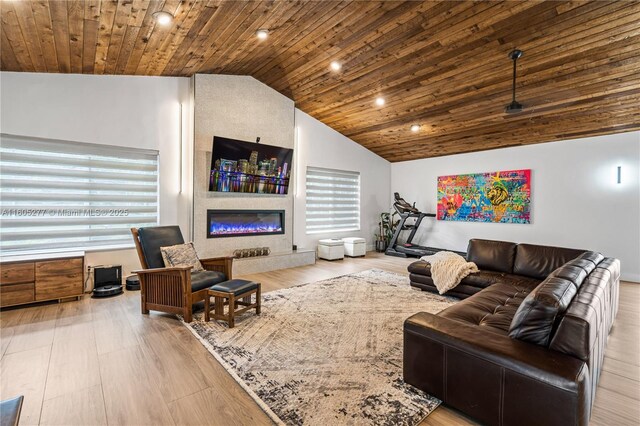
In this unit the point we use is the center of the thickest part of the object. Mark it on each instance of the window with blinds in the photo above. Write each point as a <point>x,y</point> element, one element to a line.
<point>70,195</point>
<point>333,200</point>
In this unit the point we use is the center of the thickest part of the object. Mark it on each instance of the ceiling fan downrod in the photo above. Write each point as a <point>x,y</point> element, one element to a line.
<point>514,106</point>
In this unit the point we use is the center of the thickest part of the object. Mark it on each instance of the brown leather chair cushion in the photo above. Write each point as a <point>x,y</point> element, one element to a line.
<point>492,255</point>
<point>539,261</point>
<point>541,309</point>
<point>154,237</point>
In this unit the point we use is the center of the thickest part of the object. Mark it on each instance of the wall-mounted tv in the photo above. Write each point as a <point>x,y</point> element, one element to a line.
<point>249,167</point>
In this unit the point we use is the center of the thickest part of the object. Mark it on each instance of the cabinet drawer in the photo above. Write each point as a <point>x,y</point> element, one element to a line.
<point>59,286</point>
<point>58,267</point>
<point>15,294</point>
<point>13,273</point>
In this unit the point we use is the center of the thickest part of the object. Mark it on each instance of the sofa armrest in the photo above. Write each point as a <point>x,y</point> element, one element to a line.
<point>420,267</point>
<point>493,378</point>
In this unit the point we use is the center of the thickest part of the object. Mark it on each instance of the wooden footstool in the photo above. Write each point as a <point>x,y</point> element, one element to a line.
<point>232,293</point>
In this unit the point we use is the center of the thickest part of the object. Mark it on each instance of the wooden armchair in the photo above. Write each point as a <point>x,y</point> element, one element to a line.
<point>173,290</point>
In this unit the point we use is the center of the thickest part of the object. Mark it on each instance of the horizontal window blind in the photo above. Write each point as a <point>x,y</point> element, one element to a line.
<point>70,195</point>
<point>333,200</point>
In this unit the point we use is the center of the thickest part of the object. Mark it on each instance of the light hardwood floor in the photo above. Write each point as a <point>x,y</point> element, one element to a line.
<point>94,362</point>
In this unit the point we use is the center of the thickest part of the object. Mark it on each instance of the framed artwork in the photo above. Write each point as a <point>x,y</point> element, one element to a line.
<point>500,197</point>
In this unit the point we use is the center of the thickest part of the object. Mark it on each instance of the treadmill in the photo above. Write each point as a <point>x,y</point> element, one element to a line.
<point>408,249</point>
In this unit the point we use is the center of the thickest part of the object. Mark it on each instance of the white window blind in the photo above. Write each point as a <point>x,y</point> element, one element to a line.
<point>333,200</point>
<point>70,195</point>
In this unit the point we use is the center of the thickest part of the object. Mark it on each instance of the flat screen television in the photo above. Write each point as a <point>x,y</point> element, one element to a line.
<point>249,167</point>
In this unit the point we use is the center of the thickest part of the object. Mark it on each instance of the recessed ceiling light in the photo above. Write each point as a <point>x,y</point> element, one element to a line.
<point>262,34</point>
<point>163,18</point>
<point>335,66</point>
<point>415,128</point>
<point>380,101</point>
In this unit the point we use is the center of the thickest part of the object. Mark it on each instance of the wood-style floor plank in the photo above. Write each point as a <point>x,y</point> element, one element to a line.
<point>83,407</point>
<point>25,373</point>
<point>96,362</point>
<point>74,366</point>
<point>131,395</point>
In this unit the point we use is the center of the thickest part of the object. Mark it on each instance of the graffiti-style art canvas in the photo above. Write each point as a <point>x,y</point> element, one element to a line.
<point>501,197</point>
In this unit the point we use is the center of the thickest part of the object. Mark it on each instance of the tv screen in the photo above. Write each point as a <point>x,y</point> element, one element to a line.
<point>249,167</point>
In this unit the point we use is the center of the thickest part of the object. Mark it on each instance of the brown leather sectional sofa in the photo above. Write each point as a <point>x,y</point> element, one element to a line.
<point>525,345</point>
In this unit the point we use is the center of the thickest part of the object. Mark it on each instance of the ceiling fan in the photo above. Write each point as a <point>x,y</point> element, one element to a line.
<point>515,106</point>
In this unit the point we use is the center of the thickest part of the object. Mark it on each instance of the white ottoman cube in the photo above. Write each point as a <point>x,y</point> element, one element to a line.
<point>354,246</point>
<point>331,249</point>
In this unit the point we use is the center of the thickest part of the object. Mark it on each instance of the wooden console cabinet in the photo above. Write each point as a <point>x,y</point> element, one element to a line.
<point>28,281</point>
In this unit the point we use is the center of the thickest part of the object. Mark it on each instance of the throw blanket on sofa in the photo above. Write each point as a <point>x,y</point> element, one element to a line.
<point>448,269</point>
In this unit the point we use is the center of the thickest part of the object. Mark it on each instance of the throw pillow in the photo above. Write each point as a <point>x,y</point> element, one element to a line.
<point>181,255</point>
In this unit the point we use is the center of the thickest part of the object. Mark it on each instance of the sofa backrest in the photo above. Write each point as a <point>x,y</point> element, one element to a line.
<point>492,255</point>
<point>539,261</point>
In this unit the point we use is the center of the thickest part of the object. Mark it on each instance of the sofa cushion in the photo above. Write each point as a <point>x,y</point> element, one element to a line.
<point>481,279</point>
<point>571,272</point>
<point>539,261</point>
<point>492,255</point>
<point>492,308</point>
<point>592,256</point>
<point>206,279</point>
<point>541,309</point>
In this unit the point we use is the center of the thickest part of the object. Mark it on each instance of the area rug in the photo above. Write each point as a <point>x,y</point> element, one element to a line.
<point>329,352</point>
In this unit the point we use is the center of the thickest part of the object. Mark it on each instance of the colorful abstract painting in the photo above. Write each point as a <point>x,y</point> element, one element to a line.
<point>500,197</point>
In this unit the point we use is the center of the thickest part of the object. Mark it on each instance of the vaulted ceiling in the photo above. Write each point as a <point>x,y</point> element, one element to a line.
<point>442,65</point>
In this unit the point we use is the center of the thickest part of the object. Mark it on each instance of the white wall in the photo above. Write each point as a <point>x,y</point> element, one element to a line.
<point>320,146</point>
<point>576,201</point>
<point>140,112</point>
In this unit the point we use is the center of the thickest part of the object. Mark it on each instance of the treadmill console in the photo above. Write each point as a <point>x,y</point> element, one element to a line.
<point>402,206</point>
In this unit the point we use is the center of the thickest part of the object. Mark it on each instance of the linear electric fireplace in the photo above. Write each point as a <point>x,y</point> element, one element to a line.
<point>238,223</point>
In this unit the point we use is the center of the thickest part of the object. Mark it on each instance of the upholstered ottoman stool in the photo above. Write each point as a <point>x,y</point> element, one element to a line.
<point>354,246</point>
<point>233,293</point>
<point>331,249</point>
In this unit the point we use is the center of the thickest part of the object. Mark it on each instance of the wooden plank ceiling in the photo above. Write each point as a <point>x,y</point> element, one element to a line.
<point>442,65</point>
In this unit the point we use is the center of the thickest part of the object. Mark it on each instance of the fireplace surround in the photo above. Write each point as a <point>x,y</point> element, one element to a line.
<point>239,223</point>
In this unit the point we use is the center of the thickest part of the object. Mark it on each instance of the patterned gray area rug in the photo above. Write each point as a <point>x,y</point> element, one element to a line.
<point>329,352</point>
